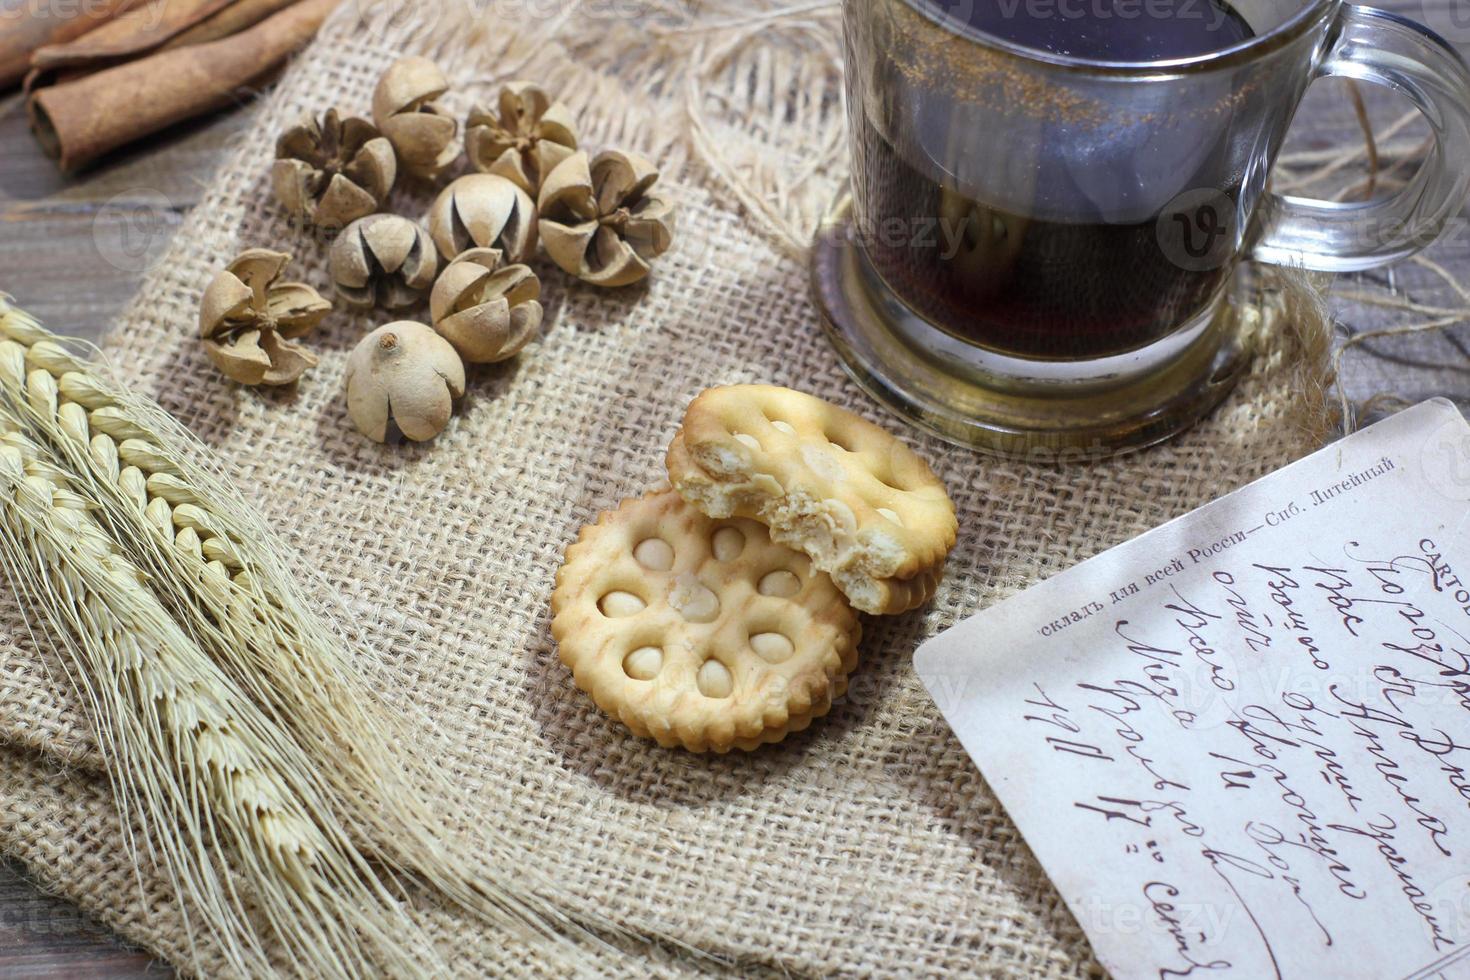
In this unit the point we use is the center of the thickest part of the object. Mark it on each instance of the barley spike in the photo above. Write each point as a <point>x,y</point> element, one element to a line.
<point>229,583</point>
<point>222,795</point>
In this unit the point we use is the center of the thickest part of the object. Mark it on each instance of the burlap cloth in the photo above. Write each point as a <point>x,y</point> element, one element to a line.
<point>867,845</point>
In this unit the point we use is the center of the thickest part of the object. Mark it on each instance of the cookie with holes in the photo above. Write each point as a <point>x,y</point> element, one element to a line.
<point>862,505</point>
<point>698,632</point>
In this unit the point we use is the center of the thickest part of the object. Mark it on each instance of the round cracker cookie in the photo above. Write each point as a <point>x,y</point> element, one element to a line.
<point>862,505</point>
<point>700,633</point>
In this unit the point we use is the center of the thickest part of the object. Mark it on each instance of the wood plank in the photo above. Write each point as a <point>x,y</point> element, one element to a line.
<point>176,164</point>
<point>77,269</point>
<point>45,938</point>
<point>72,251</point>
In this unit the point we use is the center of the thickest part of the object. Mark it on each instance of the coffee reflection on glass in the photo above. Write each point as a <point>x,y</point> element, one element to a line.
<point>1049,199</point>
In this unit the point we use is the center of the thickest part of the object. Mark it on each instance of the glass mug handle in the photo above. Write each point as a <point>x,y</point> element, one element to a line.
<point>1380,47</point>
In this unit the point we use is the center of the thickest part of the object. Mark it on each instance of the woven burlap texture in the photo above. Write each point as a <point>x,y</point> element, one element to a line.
<point>866,845</point>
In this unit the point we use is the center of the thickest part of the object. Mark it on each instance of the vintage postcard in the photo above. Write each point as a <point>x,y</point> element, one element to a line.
<point>1240,744</point>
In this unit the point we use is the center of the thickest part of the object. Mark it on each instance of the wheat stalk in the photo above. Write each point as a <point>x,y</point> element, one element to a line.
<point>221,573</point>
<point>221,792</point>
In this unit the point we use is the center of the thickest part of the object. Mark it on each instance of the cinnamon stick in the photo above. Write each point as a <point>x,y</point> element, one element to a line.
<point>79,120</point>
<point>26,25</point>
<point>156,26</point>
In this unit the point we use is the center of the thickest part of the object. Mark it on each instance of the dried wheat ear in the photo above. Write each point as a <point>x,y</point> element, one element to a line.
<point>222,579</point>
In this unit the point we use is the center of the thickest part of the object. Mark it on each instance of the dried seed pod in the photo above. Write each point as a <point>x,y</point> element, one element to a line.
<point>600,220</point>
<point>486,310</point>
<point>525,141</point>
<point>405,375</point>
<point>246,319</point>
<point>334,171</point>
<point>421,131</point>
<point>382,260</point>
<point>484,211</point>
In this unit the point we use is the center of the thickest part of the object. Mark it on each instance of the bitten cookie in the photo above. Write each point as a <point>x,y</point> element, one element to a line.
<point>858,502</point>
<point>698,632</point>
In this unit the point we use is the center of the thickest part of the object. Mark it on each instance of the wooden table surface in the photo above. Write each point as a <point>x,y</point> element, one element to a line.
<point>73,251</point>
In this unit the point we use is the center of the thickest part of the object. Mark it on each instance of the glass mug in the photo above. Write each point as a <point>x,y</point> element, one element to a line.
<point>1035,248</point>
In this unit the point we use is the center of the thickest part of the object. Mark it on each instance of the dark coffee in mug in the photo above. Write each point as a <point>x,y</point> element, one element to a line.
<point>1053,255</point>
<point>1049,199</point>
